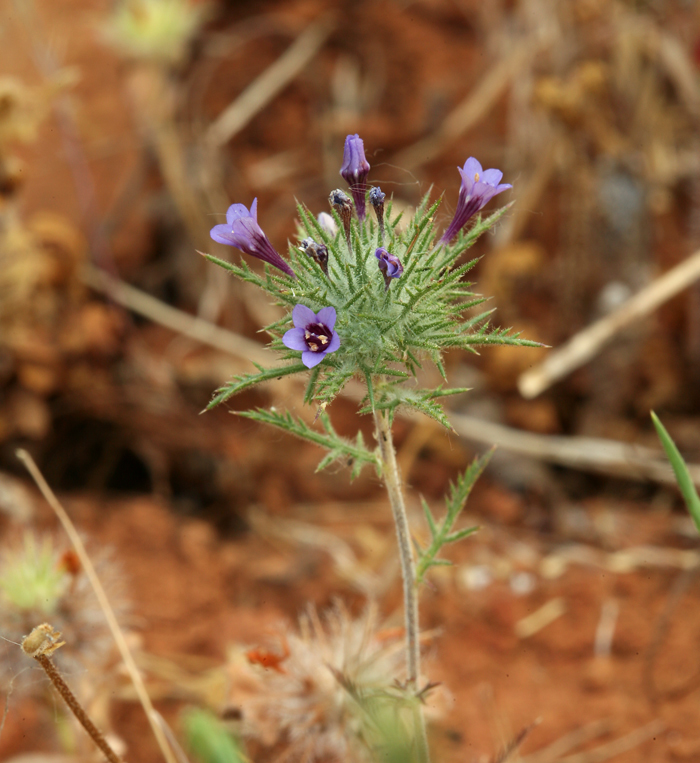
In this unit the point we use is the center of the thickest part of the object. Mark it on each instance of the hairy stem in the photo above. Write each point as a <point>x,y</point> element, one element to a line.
<point>76,708</point>
<point>392,482</point>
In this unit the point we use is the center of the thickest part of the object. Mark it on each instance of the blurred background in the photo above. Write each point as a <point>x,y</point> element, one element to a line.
<point>126,130</point>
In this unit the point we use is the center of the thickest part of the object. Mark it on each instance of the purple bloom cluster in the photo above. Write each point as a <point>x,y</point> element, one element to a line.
<point>242,231</point>
<point>312,334</point>
<point>355,170</point>
<point>478,188</point>
<point>389,264</point>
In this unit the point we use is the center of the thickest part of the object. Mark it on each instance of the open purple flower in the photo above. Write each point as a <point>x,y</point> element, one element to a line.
<point>355,170</point>
<point>242,231</point>
<point>478,188</point>
<point>312,334</point>
<point>389,264</point>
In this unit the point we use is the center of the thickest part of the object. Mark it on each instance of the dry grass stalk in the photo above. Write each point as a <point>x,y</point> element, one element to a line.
<point>105,605</point>
<point>587,343</point>
<point>473,108</point>
<point>261,91</point>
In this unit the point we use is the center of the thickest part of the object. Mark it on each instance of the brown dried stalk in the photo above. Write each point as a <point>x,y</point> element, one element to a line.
<point>40,644</point>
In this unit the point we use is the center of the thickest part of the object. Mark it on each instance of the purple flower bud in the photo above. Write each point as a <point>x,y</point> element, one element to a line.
<point>389,264</point>
<point>376,199</point>
<point>477,189</point>
<point>317,252</point>
<point>312,334</point>
<point>242,231</point>
<point>355,170</point>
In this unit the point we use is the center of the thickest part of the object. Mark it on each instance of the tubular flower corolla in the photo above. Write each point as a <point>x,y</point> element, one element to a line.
<point>312,334</point>
<point>477,189</point>
<point>242,231</point>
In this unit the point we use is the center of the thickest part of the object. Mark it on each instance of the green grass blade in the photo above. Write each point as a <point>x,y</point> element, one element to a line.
<point>683,478</point>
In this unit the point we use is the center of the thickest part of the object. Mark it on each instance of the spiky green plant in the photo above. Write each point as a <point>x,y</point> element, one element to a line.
<point>372,300</point>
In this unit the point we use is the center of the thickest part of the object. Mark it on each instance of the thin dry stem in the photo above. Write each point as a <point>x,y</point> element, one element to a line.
<point>42,642</point>
<point>392,482</point>
<point>261,91</point>
<point>154,309</point>
<point>473,108</point>
<point>106,607</point>
<point>588,343</point>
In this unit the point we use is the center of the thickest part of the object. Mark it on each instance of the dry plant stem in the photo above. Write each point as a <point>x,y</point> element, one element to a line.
<point>106,607</point>
<point>588,343</point>
<point>392,482</point>
<point>76,708</point>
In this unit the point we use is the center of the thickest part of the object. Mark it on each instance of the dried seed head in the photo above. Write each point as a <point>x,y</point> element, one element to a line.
<point>43,640</point>
<point>333,678</point>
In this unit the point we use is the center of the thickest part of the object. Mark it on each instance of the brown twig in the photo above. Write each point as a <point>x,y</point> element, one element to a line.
<point>269,83</point>
<point>587,343</point>
<point>40,644</point>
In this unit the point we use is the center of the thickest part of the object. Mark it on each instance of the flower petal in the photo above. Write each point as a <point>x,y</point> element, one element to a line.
<point>236,212</point>
<point>472,167</point>
<point>294,339</point>
<point>327,316</point>
<point>302,316</point>
<point>335,343</point>
<point>311,359</point>
<point>222,234</point>
<point>254,209</point>
<point>492,177</point>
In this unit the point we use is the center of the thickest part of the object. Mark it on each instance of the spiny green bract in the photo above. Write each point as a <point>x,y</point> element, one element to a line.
<point>385,334</point>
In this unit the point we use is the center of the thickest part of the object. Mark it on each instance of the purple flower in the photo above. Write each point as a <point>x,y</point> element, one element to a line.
<point>242,231</point>
<point>355,170</point>
<point>389,264</point>
<point>312,334</point>
<point>478,188</point>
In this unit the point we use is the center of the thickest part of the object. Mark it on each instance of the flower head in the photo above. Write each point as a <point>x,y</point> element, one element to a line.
<point>335,683</point>
<point>355,170</point>
<point>389,264</point>
<point>312,334</point>
<point>242,231</point>
<point>477,189</point>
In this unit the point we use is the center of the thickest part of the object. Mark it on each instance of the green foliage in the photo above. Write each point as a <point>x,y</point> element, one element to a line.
<point>386,334</point>
<point>339,449</point>
<point>208,740</point>
<point>683,478</point>
<point>443,534</point>
<point>246,381</point>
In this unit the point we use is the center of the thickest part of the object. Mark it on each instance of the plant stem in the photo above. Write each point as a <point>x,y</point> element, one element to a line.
<point>76,708</point>
<point>392,482</point>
